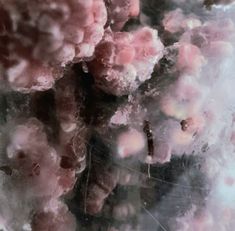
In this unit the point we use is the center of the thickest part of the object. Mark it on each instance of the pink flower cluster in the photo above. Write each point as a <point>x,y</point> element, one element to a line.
<point>36,166</point>
<point>200,46</point>
<point>30,153</point>
<point>41,37</point>
<point>45,44</point>
<point>124,60</point>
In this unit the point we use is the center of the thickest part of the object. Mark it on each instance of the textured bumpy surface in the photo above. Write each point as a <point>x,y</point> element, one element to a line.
<point>40,37</point>
<point>36,170</point>
<point>124,60</point>
<point>117,115</point>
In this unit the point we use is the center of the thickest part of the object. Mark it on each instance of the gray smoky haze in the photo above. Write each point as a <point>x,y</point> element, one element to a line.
<point>119,118</point>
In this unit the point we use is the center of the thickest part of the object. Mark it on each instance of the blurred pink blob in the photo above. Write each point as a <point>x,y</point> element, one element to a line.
<point>59,218</point>
<point>214,38</point>
<point>130,143</point>
<point>37,163</point>
<point>184,99</point>
<point>190,60</point>
<point>196,222</point>
<point>172,21</point>
<point>176,21</point>
<point>162,154</point>
<point>119,11</point>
